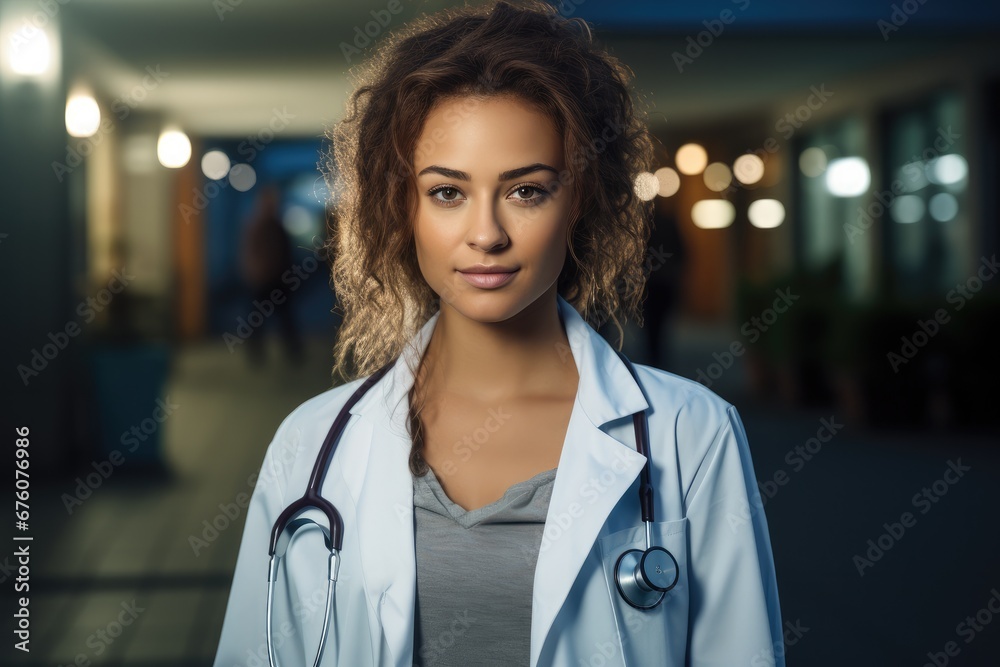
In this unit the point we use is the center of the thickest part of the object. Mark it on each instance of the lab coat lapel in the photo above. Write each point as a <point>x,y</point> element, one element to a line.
<point>595,470</point>
<point>385,533</point>
<point>384,501</point>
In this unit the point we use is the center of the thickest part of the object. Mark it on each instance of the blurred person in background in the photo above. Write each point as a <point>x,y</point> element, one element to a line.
<point>265,256</point>
<point>663,292</point>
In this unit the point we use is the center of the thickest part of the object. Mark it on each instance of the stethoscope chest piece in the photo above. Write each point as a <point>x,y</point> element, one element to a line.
<point>644,577</point>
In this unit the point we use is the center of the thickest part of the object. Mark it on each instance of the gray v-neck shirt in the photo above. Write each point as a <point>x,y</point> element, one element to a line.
<point>475,574</point>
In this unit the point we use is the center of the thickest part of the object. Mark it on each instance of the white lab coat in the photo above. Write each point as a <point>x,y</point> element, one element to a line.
<point>723,611</point>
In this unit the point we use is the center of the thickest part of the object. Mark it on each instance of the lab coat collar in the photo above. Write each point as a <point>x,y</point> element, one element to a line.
<point>594,471</point>
<point>609,393</point>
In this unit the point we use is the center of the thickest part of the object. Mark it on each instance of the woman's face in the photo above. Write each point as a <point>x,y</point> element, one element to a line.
<point>488,193</point>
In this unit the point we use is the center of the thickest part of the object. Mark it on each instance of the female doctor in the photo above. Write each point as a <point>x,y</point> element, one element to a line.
<point>496,507</point>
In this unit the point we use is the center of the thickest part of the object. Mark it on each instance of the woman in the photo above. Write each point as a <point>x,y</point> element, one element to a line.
<point>488,480</point>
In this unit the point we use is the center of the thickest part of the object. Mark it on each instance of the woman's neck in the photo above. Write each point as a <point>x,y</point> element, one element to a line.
<point>527,354</point>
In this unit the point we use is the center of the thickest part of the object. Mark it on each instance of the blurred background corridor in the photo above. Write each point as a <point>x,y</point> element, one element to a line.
<point>823,257</point>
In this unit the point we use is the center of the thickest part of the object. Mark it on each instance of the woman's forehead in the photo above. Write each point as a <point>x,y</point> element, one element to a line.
<point>485,132</point>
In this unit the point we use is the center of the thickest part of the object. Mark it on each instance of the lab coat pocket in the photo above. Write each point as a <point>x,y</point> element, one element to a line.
<point>656,636</point>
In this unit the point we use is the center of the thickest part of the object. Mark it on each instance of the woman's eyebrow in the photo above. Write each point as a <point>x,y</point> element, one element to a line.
<point>504,176</point>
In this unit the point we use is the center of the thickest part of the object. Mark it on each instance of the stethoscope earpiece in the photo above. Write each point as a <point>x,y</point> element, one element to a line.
<point>644,577</point>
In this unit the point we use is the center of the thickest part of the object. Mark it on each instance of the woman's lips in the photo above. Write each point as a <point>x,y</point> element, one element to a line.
<point>488,280</point>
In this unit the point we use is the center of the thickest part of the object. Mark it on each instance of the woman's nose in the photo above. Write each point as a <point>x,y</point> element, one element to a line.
<point>486,230</point>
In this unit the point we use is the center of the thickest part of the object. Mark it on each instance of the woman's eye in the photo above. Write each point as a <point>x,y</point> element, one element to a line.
<point>527,194</point>
<point>524,193</point>
<point>449,194</point>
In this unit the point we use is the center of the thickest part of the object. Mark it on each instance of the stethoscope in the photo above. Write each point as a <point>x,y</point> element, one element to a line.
<point>642,576</point>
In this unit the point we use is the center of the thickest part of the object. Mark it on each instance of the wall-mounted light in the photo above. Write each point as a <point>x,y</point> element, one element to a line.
<point>713,213</point>
<point>848,177</point>
<point>83,116</point>
<point>242,176</point>
<point>717,177</point>
<point>669,181</point>
<point>943,207</point>
<point>215,164</point>
<point>812,161</point>
<point>29,42</point>
<point>691,159</point>
<point>748,169</point>
<point>947,169</point>
<point>907,209</point>
<point>766,213</point>
<point>173,149</point>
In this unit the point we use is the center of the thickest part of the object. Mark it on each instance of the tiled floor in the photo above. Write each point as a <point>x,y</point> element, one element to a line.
<point>119,583</point>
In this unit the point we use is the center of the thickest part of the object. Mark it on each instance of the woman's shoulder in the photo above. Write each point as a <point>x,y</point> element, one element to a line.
<point>321,408</point>
<point>675,396</point>
<point>691,424</point>
<point>326,402</point>
<point>299,436</point>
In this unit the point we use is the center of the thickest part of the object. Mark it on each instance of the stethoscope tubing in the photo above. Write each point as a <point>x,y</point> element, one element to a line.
<point>334,533</point>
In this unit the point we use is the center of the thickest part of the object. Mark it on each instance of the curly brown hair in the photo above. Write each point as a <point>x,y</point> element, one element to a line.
<point>524,49</point>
